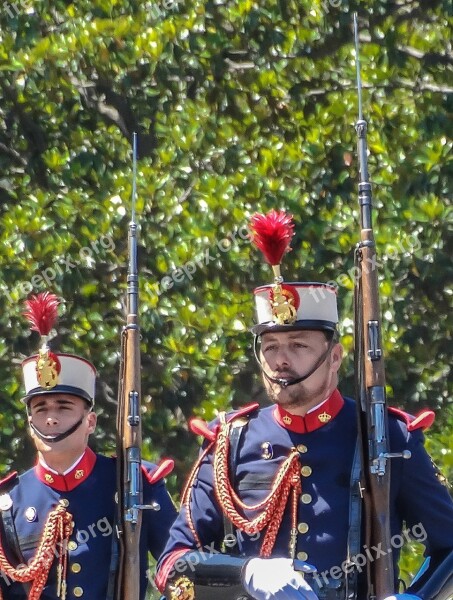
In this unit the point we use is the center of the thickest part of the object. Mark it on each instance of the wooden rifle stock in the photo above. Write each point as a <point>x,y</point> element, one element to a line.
<point>129,435</point>
<point>370,382</point>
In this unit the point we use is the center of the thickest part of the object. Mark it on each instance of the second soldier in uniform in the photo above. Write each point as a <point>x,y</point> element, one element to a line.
<point>57,519</point>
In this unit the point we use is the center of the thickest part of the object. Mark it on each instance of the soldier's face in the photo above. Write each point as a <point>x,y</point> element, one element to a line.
<point>53,414</point>
<point>290,355</point>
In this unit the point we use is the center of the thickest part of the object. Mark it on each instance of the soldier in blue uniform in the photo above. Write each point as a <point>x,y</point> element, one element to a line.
<point>57,536</point>
<point>272,507</point>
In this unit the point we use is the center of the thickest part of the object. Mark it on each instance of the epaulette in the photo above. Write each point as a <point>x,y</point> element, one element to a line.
<point>423,420</point>
<point>161,471</point>
<point>200,427</point>
<point>244,411</point>
<point>10,478</point>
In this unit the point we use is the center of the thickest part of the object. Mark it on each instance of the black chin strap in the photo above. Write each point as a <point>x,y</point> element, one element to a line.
<point>51,439</point>
<point>284,383</point>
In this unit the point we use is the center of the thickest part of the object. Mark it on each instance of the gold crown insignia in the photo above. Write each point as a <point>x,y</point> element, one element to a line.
<point>324,417</point>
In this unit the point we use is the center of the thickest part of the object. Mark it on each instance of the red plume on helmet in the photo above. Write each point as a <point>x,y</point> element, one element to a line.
<point>272,234</point>
<point>285,306</point>
<point>42,312</point>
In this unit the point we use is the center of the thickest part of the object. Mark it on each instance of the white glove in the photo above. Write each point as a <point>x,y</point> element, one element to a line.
<point>402,597</point>
<point>276,579</point>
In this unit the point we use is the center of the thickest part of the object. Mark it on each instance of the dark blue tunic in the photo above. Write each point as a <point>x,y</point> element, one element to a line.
<point>92,506</point>
<point>420,505</point>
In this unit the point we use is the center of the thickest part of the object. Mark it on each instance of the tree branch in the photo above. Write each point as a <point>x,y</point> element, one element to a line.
<point>115,108</point>
<point>13,154</point>
<point>32,132</point>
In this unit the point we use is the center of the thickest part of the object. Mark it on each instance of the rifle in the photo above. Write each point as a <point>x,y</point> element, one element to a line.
<point>129,434</point>
<point>370,379</point>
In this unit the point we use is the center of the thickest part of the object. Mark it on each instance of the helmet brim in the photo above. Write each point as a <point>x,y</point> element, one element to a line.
<point>305,325</point>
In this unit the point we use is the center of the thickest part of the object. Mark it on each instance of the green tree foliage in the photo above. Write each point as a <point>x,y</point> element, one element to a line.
<point>240,106</point>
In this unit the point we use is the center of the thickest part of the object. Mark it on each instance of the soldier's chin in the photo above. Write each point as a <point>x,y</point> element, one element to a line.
<point>279,395</point>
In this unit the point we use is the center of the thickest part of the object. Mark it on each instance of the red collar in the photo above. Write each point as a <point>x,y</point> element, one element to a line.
<point>66,483</point>
<point>319,417</point>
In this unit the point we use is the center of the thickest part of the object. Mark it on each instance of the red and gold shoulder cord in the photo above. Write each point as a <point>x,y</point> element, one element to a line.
<point>54,540</point>
<point>286,482</point>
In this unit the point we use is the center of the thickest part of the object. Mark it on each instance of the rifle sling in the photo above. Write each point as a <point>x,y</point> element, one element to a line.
<point>355,521</point>
<point>12,542</point>
<point>114,561</point>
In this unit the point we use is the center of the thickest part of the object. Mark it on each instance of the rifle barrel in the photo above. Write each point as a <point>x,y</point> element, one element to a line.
<point>373,421</point>
<point>129,434</point>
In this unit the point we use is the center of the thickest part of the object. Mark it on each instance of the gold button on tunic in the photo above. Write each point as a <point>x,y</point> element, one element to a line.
<point>302,527</point>
<point>302,555</point>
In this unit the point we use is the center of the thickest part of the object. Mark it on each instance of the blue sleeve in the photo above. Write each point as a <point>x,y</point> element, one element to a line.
<point>157,522</point>
<point>423,501</point>
<point>205,513</point>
